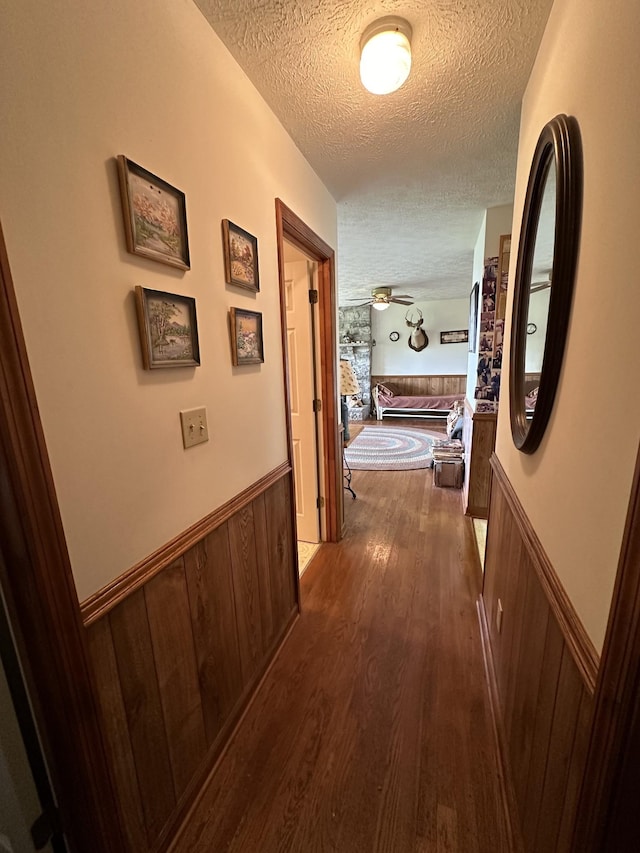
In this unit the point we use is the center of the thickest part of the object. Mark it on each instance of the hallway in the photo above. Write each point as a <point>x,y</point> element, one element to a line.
<point>371,732</point>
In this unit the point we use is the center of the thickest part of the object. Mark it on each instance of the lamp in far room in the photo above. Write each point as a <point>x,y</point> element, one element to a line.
<point>348,385</point>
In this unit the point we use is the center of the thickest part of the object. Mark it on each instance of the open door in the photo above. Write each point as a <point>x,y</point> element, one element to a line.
<point>293,234</point>
<point>304,402</point>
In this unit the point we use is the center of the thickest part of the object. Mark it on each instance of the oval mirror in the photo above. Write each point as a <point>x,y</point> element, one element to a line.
<point>545,272</point>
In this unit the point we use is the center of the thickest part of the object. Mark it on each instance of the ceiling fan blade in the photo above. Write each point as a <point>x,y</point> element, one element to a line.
<point>403,296</point>
<point>355,298</point>
<point>362,304</point>
<point>400,301</point>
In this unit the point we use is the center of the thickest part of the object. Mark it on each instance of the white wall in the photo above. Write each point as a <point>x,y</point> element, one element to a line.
<point>389,358</point>
<point>537,314</point>
<point>575,488</point>
<point>499,221</point>
<point>80,84</point>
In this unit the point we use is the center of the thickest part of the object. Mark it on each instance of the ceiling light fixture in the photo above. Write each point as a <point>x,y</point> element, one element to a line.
<point>380,305</point>
<point>385,55</point>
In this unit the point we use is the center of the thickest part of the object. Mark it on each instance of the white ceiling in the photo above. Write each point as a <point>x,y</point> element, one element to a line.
<point>413,171</point>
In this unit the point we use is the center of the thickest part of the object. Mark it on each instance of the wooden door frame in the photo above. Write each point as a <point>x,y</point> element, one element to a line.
<point>291,227</point>
<point>617,696</point>
<point>37,582</point>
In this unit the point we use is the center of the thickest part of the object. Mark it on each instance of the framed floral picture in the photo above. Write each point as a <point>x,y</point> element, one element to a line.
<point>155,216</point>
<point>240,257</point>
<point>246,337</point>
<point>168,329</point>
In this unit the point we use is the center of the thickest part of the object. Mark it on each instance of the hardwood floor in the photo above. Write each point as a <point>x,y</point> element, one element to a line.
<point>371,732</point>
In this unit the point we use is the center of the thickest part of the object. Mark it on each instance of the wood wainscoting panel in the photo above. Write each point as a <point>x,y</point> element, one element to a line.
<point>544,669</point>
<point>116,731</point>
<point>438,385</point>
<point>143,709</point>
<point>215,634</point>
<point>246,586</point>
<point>282,569</point>
<point>267,620</point>
<point>178,657</point>
<point>177,671</point>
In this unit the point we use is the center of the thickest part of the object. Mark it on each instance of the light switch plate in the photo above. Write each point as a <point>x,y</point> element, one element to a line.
<point>194,426</point>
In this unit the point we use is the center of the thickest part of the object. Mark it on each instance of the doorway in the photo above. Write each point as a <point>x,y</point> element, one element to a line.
<point>307,284</point>
<point>300,279</point>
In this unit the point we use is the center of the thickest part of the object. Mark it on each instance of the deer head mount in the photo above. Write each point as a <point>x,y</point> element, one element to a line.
<point>418,339</point>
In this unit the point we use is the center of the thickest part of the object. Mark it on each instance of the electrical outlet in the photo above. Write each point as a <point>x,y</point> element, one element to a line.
<point>194,426</point>
<point>499,616</point>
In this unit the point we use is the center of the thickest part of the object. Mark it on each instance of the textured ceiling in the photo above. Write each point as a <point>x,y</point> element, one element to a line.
<point>413,171</point>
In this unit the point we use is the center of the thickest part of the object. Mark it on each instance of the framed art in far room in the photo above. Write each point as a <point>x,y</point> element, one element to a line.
<point>168,329</point>
<point>155,216</point>
<point>240,257</point>
<point>247,346</point>
<point>459,336</point>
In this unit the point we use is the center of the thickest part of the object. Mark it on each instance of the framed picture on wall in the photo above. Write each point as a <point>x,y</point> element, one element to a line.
<point>168,329</point>
<point>246,337</point>
<point>473,316</point>
<point>240,257</point>
<point>155,216</point>
<point>460,336</point>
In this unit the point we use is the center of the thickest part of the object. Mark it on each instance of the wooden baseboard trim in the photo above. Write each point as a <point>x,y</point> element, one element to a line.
<point>172,834</point>
<point>578,641</point>
<point>507,790</point>
<point>113,593</point>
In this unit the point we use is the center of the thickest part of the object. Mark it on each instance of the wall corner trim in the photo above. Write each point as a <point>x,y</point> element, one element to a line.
<point>578,641</point>
<point>113,593</point>
<point>507,792</point>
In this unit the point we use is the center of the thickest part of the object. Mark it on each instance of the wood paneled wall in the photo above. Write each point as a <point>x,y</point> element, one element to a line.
<point>545,668</point>
<point>425,386</point>
<point>479,439</point>
<point>177,656</point>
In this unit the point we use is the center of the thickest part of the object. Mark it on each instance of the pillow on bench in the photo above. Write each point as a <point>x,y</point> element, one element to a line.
<point>386,390</point>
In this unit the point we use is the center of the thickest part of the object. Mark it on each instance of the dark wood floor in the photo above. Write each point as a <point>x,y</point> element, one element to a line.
<point>372,730</point>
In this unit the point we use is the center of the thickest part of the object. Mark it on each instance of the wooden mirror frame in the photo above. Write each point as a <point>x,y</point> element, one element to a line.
<point>560,142</point>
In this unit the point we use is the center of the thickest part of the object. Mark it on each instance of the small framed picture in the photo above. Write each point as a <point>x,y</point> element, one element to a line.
<point>155,216</point>
<point>460,336</point>
<point>168,329</point>
<point>240,257</point>
<point>246,337</point>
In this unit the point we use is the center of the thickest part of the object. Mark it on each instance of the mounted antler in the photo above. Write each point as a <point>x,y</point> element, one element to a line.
<point>412,324</point>
<point>418,339</point>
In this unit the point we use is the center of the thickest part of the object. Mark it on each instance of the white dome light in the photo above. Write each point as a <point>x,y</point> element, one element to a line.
<point>380,306</point>
<point>385,55</point>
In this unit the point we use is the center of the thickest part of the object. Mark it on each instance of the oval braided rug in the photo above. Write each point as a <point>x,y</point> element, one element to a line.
<point>390,449</point>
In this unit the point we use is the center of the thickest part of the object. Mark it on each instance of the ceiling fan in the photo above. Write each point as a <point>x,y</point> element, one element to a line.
<point>381,298</point>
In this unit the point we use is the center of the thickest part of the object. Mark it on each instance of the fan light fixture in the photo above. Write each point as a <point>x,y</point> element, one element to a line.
<point>380,305</point>
<point>385,55</point>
